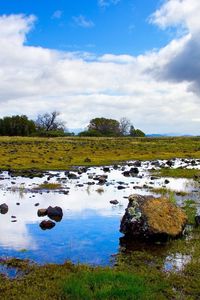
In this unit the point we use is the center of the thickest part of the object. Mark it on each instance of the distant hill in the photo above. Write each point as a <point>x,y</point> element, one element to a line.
<point>167,134</point>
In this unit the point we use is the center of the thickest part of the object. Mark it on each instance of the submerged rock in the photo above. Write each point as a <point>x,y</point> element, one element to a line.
<point>152,218</point>
<point>3,208</point>
<point>47,224</point>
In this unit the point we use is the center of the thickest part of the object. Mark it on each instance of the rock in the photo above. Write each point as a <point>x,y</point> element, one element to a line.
<point>55,213</point>
<point>126,173</point>
<point>166,181</point>
<point>102,179</point>
<point>87,159</point>
<point>155,163</point>
<point>137,163</point>
<point>37,204</point>
<point>121,187</point>
<point>134,171</point>
<point>106,169</point>
<point>79,185</point>
<point>3,208</point>
<point>42,212</point>
<point>154,178</point>
<point>115,202</point>
<point>47,224</point>
<point>170,163</point>
<point>197,220</point>
<point>72,176</point>
<point>150,218</point>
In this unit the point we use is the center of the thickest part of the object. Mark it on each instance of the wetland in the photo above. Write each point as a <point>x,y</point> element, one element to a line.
<point>85,244</point>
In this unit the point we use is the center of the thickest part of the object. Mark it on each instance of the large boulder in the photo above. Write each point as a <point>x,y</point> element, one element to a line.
<point>152,218</point>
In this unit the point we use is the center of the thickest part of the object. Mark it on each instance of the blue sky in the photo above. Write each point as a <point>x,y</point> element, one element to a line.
<point>87,25</point>
<point>138,59</point>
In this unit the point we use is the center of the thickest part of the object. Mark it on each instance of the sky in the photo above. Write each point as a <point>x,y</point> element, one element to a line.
<point>138,59</point>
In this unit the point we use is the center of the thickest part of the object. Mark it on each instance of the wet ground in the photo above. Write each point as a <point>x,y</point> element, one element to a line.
<point>89,229</point>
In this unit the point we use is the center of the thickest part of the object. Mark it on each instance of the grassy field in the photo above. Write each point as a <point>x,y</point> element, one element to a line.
<point>62,153</point>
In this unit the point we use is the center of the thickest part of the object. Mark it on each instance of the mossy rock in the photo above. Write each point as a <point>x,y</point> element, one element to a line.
<point>152,218</point>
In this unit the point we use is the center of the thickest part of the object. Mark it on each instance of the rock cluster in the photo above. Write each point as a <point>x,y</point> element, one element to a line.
<point>54,213</point>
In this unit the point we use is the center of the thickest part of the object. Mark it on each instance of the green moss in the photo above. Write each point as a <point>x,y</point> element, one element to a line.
<point>49,186</point>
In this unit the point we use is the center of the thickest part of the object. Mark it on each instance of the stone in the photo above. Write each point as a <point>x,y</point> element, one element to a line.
<point>121,187</point>
<point>42,212</point>
<point>126,173</point>
<point>134,171</point>
<point>72,176</point>
<point>170,163</point>
<point>137,163</point>
<point>115,202</point>
<point>150,218</point>
<point>87,159</point>
<point>55,213</point>
<point>47,224</point>
<point>3,208</point>
<point>106,169</point>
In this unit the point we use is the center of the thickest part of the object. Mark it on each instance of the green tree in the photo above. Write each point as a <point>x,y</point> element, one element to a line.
<point>104,127</point>
<point>17,126</point>
<point>136,132</point>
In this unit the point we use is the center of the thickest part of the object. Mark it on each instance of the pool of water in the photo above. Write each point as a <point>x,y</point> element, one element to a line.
<point>89,230</point>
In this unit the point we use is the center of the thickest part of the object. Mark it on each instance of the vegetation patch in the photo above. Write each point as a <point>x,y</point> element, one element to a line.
<point>49,186</point>
<point>178,173</point>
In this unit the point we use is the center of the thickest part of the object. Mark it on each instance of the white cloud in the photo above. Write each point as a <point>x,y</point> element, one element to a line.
<point>106,3</point>
<point>82,21</point>
<point>35,80</point>
<point>57,14</point>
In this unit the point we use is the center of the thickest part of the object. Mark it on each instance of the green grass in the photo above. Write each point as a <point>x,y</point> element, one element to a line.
<point>108,284</point>
<point>49,186</point>
<point>168,192</point>
<point>22,153</point>
<point>190,210</point>
<point>177,173</point>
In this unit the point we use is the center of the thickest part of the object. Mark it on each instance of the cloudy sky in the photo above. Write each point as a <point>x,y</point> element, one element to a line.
<point>138,59</point>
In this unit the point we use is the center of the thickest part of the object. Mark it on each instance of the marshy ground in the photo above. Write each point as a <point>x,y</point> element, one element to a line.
<point>137,270</point>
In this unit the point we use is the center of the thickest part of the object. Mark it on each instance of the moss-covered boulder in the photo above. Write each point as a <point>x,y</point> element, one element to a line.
<point>152,218</point>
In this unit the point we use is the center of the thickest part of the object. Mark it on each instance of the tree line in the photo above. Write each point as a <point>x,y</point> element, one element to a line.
<point>50,125</point>
<point>110,127</point>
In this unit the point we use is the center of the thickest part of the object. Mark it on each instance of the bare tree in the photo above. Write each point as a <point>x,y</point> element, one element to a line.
<point>124,126</point>
<point>49,122</point>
